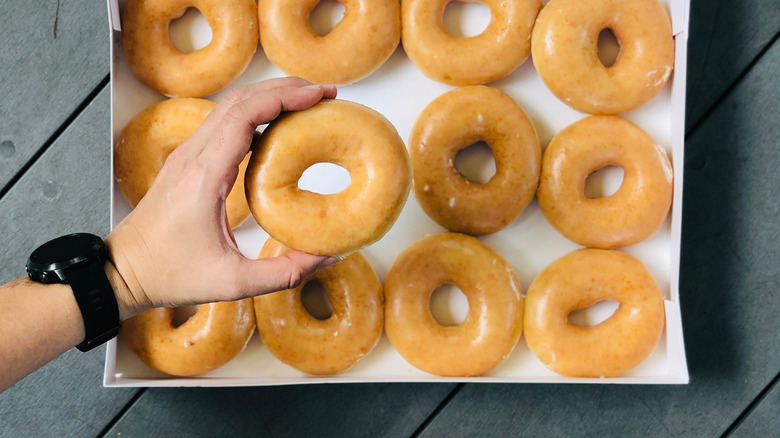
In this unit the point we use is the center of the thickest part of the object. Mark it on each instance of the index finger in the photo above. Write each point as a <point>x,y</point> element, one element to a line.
<point>238,94</point>
<point>235,125</point>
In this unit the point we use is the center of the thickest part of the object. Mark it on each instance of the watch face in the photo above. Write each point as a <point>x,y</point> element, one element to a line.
<point>64,251</point>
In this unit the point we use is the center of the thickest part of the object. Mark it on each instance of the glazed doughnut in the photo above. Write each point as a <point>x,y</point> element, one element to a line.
<point>345,133</point>
<point>329,346</point>
<point>489,56</point>
<point>151,135</point>
<point>579,280</point>
<point>494,322</point>
<point>362,41</point>
<point>452,122</point>
<point>156,62</point>
<point>565,53</point>
<point>217,333</point>
<point>631,214</point>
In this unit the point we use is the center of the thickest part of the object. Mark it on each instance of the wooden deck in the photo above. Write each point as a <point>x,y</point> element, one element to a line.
<point>54,174</point>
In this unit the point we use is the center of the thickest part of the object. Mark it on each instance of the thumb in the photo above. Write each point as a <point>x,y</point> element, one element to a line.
<point>279,273</point>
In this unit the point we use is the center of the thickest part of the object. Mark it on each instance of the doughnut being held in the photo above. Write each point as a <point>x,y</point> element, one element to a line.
<point>565,53</point>
<point>631,214</point>
<point>489,56</point>
<point>156,62</point>
<point>148,139</point>
<point>345,133</point>
<point>454,121</point>
<point>332,345</point>
<point>491,328</point>
<point>362,41</point>
<point>579,280</point>
<point>217,333</point>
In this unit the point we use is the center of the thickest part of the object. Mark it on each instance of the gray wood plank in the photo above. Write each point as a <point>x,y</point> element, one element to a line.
<point>343,410</point>
<point>725,37</point>
<point>764,421</point>
<point>730,271</point>
<point>43,76</point>
<point>67,190</point>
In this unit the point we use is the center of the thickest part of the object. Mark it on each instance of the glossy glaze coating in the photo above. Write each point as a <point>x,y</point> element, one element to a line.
<point>362,41</point>
<point>454,121</point>
<point>491,328</point>
<point>217,333</point>
<point>631,214</point>
<point>345,133</point>
<point>565,53</point>
<point>156,62</point>
<point>329,346</point>
<point>489,56</point>
<point>579,280</point>
<point>151,135</point>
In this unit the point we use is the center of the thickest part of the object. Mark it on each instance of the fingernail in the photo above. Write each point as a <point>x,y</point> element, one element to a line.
<point>328,262</point>
<point>321,86</point>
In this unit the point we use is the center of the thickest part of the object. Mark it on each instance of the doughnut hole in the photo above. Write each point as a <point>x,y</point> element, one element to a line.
<point>326,16</point>
<point>476,163</point>
<point>324,178</point>
<point>183,314</point>
<point>315,300</point>
<point>593,315</point>
<point>608,47</point>
<point>190,32</point>
<point>466,20</point>
<point>449,306</point>
<point>604,182</point>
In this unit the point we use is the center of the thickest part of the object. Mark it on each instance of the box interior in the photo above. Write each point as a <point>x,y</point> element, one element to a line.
<point>400,91</point>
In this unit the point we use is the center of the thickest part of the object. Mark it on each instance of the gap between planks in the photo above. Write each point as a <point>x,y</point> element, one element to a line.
<point>54,136</point>
<point>760,55</point>
<point>751,407</point>
<point>121,413</point>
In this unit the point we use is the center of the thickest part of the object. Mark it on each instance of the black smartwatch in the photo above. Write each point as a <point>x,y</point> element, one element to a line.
<point>79,260</point>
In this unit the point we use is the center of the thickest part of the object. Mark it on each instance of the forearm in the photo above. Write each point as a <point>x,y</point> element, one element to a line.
<point>39,323</point>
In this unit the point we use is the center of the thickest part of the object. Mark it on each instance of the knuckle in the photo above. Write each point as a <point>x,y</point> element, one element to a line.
<point>295,277</point>
<point>236,112</point>
<point>175,158</point>
<point>197,166</point>
<point>235,96</point>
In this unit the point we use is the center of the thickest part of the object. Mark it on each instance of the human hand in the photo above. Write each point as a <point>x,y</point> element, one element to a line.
<point>176,247</point>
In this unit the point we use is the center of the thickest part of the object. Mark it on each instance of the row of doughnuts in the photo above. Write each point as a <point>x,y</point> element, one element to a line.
<point>380,167</point>
<point>362,307</point>
<point>496,319</point>
<point>565,49</point>
<point>381,171</point>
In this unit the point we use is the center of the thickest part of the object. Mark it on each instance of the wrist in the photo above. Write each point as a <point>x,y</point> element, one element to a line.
<point>130,296</point>
<point>124,298</point>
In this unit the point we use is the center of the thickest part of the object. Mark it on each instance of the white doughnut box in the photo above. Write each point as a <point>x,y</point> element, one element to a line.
<point>400,91</point>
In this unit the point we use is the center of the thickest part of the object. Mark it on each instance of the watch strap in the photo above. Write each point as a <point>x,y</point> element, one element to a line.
<point>97,303</point>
